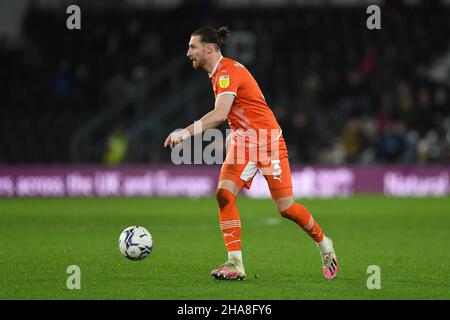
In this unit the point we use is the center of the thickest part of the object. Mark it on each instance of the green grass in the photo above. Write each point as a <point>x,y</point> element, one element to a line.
<point>409,239</point>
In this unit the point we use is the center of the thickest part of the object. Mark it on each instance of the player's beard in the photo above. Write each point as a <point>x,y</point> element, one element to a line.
<point>195,65</point>
<point>198,64</point>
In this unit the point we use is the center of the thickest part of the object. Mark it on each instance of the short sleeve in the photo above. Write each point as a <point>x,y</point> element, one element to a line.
<point>229,80</point>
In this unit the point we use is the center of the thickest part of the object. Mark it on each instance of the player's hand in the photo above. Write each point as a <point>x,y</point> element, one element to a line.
<point>176,137</point>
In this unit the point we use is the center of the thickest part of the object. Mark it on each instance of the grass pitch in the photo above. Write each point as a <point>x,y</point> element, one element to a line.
<point>409,239</point>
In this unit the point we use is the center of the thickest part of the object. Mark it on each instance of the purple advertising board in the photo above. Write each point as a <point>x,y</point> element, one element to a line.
<point>200,181</point>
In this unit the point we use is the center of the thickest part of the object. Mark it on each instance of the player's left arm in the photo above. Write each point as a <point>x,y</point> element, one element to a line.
<point>212,119</point>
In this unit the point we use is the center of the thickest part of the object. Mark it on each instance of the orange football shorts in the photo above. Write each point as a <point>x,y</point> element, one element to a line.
<point>243,162</point>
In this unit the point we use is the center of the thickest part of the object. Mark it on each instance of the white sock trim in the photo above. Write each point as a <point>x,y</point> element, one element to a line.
<point>235,255</point>
<point>325,244</point>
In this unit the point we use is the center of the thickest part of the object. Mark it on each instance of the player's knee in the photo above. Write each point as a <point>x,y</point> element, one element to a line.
<point>224,197</point>
<point>283,204</point>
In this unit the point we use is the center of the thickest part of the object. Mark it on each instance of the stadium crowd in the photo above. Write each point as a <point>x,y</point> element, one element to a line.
<point>342,93</point>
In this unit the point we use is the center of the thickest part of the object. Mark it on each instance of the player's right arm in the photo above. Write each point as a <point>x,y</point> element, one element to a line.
<point>212,119</point>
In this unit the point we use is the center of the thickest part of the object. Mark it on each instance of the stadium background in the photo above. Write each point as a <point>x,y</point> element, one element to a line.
<point>85,113</point>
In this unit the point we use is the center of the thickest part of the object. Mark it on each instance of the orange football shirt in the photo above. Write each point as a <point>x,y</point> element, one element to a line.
<point>249,114</point>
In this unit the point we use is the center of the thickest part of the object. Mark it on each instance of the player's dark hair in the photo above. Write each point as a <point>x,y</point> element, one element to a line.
<point>211,35</point>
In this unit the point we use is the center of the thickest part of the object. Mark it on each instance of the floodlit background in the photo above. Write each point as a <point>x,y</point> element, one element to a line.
<point>109,94</point>
<point>342,93</point>
<point>84,114</point>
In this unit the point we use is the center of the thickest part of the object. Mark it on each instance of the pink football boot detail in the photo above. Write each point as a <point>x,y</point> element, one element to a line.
<point>228,271</point>
<point>329,263</point>
<point>330,271</point>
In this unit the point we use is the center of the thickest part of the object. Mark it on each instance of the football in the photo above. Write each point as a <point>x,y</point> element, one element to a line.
<point>135,243</point>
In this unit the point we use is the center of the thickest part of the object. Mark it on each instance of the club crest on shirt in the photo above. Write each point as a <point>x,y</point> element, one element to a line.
<point>224,81</point>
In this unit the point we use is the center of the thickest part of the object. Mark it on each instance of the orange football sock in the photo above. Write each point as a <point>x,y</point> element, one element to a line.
<point>301,216</point>
<point>230,221</point>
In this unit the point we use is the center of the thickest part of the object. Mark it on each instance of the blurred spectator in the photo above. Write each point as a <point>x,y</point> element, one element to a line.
<point>62,82</point>
<point>116,149</point>
<point>392,141</point>
<point>405,104</point>
<point>367,66</point>
<point>441,102</point>
<point>423,119</point>
<point>301,131</point>
<point>340,96</point>
<point>353,140</point>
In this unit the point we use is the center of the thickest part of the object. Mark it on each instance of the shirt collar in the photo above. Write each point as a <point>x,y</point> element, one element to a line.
<point>215,67</point>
